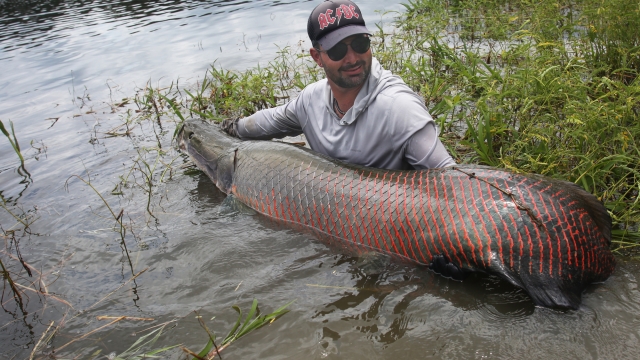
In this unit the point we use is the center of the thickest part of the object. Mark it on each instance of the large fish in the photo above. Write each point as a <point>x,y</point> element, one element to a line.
<point>547,236</point>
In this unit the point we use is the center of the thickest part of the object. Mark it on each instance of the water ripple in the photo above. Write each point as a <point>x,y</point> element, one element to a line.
<point>24,26</point>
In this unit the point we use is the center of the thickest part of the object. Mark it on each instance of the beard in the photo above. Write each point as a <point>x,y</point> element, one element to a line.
<point>349,82</point>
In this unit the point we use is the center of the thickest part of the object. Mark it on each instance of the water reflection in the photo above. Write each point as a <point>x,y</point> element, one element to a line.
<point>395,292</point>
<point>16,187</point>
<point>32,23</point>
<point>206,193</point>
<point>9,133</point>
<point>32,9</point>
<point>373,290</point>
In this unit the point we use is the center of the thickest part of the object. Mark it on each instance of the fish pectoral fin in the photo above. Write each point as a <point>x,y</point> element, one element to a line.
<point>231,205</point>
<point>442,265</point>
<point>373,262</point>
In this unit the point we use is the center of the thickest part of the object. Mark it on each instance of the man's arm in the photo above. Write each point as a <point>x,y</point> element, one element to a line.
<point>421,149</point>
<point>271,123</point>
<point>425,151</point>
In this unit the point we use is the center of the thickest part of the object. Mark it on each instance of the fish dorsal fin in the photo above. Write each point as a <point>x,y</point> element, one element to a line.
<point>594,207</point>
<point>599,214</point>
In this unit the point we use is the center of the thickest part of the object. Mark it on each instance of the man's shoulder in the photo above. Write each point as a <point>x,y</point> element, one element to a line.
<point>315,88</point>
<point>403,107</point>
<point>399,95</point>
<point>308,96</point>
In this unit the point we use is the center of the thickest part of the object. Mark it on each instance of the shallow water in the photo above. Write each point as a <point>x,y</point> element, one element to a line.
<point>63,62</point>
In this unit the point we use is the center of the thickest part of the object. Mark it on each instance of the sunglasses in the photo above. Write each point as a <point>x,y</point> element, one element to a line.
<point>360,45</point>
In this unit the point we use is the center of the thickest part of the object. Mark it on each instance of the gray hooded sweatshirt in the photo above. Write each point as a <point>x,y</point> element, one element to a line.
<point>387,127</point>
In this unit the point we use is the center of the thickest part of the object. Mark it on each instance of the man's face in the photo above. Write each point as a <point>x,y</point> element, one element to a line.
<point>349,72</point>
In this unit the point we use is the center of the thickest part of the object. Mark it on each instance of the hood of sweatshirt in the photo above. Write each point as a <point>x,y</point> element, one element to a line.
<point>379,79</point>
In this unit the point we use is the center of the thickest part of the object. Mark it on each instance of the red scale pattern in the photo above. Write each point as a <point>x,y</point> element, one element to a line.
<point>547,236</point>
<point>473,220</point>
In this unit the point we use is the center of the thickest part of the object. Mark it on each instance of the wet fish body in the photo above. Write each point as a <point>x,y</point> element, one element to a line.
<point>547,236</point>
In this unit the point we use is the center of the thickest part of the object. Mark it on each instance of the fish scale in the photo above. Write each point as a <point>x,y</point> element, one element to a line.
<point>547,236</point>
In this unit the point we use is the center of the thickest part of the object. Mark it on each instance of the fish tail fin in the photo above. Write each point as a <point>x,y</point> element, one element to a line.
<point>552,292</point>
<point>563,290</point>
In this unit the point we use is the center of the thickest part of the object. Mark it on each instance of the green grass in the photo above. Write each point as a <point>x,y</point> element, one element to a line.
<point>252,322</point>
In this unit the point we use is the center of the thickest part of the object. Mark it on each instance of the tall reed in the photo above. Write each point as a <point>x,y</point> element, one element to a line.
<point>13,140</point>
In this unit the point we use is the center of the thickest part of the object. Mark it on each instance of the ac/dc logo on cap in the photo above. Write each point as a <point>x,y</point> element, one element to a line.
<point>333,20</point>
<point>326,18</point>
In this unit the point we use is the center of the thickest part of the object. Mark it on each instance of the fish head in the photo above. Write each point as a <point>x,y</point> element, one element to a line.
<point>212,150</point>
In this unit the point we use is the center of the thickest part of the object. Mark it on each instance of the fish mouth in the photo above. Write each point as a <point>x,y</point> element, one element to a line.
<point>182,144</point>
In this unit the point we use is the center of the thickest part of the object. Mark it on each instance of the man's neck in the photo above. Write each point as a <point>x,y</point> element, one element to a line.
<point>345,97</point>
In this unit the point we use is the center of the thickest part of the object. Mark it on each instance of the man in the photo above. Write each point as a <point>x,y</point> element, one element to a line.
<point>360,113</point>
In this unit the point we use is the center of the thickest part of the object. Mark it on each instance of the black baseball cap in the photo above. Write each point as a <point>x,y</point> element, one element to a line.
<point>334,20</point>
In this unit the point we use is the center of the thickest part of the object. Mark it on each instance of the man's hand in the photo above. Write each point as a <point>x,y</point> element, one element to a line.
<point>230,126</point>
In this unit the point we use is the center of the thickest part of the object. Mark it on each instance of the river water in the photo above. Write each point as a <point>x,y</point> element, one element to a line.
<point>63,64</point>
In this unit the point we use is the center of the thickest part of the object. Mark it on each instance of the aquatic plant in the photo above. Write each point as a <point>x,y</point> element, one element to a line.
<point>25,220</point>
<point>12,140</point>
<point>252,322</point>
<point>138,350</point>
<point>143,347</point>
<point>225,93</point>
<point>121,229</point>
<point>6,276</point>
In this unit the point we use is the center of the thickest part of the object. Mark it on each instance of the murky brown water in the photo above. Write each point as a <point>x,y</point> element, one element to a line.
<point>69,60</point>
